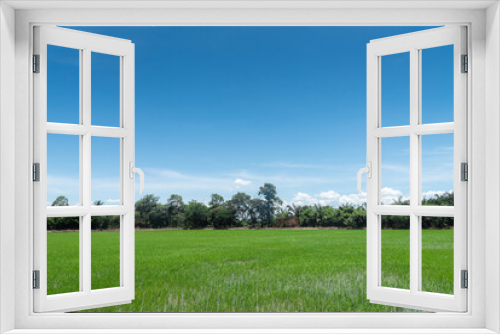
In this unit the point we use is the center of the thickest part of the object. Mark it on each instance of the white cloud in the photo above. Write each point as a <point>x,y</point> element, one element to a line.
<point>303,199</point>
<point>281,164</point>
<point>433,193</point>
<point>329,195</point>
<point>335,199</point>
<point>242,182</point>
<point>390,192</point>
<point>112,201</point>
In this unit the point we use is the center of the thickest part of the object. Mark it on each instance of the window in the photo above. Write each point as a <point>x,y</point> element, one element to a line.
<point>483,239</point>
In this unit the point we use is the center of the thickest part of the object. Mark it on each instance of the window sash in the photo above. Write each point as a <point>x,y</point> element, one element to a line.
<point>87,43</point>
<point>414,297</point>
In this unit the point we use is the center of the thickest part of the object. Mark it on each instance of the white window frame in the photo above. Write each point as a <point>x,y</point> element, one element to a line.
<point>482,19</point>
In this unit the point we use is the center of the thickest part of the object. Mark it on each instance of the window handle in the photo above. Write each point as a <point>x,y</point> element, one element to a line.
<point>368,171</point>
<point>139,171</point>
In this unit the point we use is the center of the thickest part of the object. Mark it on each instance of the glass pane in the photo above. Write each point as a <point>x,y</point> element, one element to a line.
<point>105,90</point>
<point>63,85</point>
<point>437,169</point>
<point>105,246</point>
<point>395,170</point>
<point>437,254</point>
<point>437,84</point>
<point>395,90</point>
<point>63,255</point>
<point>106,171</point>
<point>396,252</point>
<point>63,170</point>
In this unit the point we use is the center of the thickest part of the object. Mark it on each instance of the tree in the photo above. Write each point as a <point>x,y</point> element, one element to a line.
<point>272,201</point>
<point>98,202</point>
<point>175,210</point>
<point>295,210</point>
<point>158,218</point>
<point>216,200</point>
<point>221,216</point>
<point>145,206</point>
<point>62,223</point>
<point>60,201</point>
<point>240,203</point>
<point>98,222</point>
<point>196,215</point>
<point>256,212</point>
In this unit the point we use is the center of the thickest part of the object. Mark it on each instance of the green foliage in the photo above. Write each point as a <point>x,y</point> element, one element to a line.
<point>105,222</point>
<point>272,202</point>
<point>243,210</point>
<point>175,211</point>
<point>221,215</point>
<point>144,207</point>
<point>60,201</point>
<point>196,215</point>
<point>240,203</point>
<point>62,223</point>
<point>216,200</point>
<point>446,199</point>
<point>257,211</point>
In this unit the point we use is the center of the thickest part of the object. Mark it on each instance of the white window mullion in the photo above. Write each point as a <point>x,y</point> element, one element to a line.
<point>414,171</point>
<point>373,184</point>
<point>127,222</point>
<point>81,226</point>
<point>85,246</point>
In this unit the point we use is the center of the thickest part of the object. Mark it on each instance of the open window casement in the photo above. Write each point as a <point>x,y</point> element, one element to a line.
<point>85,296</point>
<point>415,44</point>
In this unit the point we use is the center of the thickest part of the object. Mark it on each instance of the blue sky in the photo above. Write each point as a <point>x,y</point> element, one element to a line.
<point>225,109</point>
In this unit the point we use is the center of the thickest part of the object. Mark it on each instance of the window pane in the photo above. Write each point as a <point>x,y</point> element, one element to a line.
<point>437,84</point>
<point>395,90</point>
<point>105,261</point>
<point>396,252</point>
<point>437,254</point>
<point>63,255</point>
<point>437,169</point>
<point>105,90</point>
<point>395,170</point>
<point>63,170</point>
<point>106,171</point>
<point>63,85</point>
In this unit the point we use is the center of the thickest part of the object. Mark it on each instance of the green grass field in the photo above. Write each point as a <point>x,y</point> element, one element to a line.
<point>251,270</point>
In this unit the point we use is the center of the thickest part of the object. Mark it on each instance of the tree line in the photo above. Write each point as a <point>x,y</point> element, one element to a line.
<point>266,210</point>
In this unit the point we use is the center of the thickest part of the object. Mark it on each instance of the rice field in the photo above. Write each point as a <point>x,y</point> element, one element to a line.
<point>251,270</point>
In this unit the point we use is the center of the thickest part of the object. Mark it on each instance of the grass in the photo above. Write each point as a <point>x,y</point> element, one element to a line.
<point>251,270</point>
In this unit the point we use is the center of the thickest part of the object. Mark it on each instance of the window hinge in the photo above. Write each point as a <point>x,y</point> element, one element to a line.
<point>465,279</point>
<point>464,171</point>
<point>36,63</point>
<point>36,172</point>
<point>465,64</point>
<point>36,279</point>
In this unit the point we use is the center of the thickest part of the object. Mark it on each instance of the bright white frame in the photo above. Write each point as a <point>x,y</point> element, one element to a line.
<point>86,43</point>
<point>413,43</point>
<point>483,20</point>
